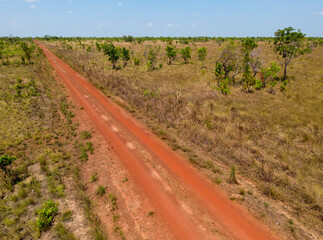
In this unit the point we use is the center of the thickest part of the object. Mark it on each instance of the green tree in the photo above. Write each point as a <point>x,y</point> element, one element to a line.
<point>249,44</point>
<point>5,163</point>
<point>186,54</point>
<point>125,56</point>
<point>128,38</point>
<point>289,44</point>
<point>27,50</point>
<point>201,52</point>
<point>171,53</point>
<point>113,53</point>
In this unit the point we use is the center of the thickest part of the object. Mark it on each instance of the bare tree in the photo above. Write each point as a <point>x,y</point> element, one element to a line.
<point>255,61</point>
<point>229,57</point>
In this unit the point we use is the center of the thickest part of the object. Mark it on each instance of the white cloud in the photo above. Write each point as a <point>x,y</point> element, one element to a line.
<point>30,1</point>
<point>149,24</point>
<point>32,6</point>
<point>319,13</point>
<point>13,21</point>
<point>197,14</point>
<point>195,25</point>
<point>69,12</point>
<point>120,4</point>
<point>171,25</point>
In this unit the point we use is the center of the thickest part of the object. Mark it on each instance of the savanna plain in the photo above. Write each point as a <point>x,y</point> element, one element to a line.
<point>224,104</point>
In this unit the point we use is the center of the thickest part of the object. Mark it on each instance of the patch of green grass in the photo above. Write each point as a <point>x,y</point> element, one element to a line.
<point>119,231</point>
<point>233,178</point>
<point>115,218</point>
<point>94,177</point>
<point>242,192</point>
<point>85,135</point>
<point>63,233</point>
<point>84,157</point>
<point>113,202</point>
<point>89,147</point>
<point>100,191</point>
<point>67,216</point>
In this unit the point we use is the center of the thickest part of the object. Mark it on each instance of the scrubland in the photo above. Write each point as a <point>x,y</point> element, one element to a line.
<point>272,137</point>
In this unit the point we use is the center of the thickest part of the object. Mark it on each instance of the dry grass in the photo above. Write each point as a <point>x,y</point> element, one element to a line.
<point>33,130</point>
<point>274,140</point>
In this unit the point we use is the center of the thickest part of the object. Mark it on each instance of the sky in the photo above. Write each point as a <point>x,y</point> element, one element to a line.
<point>175,18</point>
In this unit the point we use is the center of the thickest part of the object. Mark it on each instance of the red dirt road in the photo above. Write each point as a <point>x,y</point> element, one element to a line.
<point>235,221</point>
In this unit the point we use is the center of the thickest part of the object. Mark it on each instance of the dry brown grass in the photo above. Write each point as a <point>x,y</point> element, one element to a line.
<point>41,137</point>
<point>274,140</point>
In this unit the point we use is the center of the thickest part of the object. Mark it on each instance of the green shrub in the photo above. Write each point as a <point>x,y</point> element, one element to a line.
<point>94,177</point>
<point>5,163</point>
<point>186,54</point>
<point>67,216</point>
<point>89,147</point>
<point>85,135</point>
<point>223,86</point>
<point>258,85</point>
<point>46,215</point>
<point>152,58</point>
<point>19,86</point>
<point>84,156</point>
<point>136,61</point>
<point>125,56</point>
<point>233,178</point>
<point>283,85</point>
<point>63,233</point>
<point>201,52</point>
<point>100,191</point>
<point>28,50</point>
<point>171,53</point>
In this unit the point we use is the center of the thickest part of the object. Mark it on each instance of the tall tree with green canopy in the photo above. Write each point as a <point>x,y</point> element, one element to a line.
<point>289,43</point>
<point>113,53</point>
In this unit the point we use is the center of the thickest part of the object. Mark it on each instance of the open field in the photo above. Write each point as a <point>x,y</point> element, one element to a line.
<point>273,139</point>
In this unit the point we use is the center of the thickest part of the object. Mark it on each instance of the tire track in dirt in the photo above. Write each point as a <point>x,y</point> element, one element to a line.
<point>235,220</point>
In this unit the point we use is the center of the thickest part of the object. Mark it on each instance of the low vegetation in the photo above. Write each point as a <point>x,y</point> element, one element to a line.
<point>231,104</point>
<point>37,152</point>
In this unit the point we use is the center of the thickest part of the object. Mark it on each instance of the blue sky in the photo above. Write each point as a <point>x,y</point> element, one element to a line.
<point>225,18</point>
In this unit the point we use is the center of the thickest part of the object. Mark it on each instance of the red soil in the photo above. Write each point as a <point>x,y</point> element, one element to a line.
<point>235,221</point>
